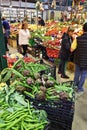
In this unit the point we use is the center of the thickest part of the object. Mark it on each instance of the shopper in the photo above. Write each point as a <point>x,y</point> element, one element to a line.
<point>6,42</point>
<point>6,27</point>
<point>80,59</point>
<point>65,51</point>
<point>24,35</point>
<point>41,21</point>
<point>6,46</point>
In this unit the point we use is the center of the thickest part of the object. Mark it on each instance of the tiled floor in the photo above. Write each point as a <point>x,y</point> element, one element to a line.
<point>80,116</point>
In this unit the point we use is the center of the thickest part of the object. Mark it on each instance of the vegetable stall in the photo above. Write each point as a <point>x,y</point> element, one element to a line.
<point>33,99</point>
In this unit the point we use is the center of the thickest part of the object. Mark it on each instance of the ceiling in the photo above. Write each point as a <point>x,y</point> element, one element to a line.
<point>33,1</point>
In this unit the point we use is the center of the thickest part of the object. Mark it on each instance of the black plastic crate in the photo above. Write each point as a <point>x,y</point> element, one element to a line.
<point>34,51</point>
<point>44,53</point>
<point>53,126</point>
<point>59,112</point>
<point>51,69</point>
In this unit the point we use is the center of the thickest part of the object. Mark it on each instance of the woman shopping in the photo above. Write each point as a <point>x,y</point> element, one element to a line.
<point>65,51</point>
<point>24,35</point>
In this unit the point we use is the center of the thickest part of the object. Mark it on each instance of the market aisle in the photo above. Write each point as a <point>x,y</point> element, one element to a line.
<point>80,116</point>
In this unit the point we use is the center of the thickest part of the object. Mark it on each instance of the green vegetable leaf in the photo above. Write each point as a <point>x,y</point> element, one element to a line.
<point>20,99</point>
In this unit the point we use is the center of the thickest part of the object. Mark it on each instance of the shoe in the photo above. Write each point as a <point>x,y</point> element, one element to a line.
<point>80,90</point>
<point>59,72</point>
<point>79,94</point>
<point>26,55</point>
<point>64,76</point>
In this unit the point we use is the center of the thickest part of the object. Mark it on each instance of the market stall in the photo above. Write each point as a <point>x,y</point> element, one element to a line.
<point>34,99</point>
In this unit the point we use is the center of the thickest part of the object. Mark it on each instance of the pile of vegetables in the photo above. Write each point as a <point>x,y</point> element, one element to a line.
<point>11,59</point>
<point>16,113</point>
<point>26,78</point>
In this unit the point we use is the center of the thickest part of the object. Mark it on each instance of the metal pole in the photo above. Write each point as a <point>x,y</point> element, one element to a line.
<point>37,18</point>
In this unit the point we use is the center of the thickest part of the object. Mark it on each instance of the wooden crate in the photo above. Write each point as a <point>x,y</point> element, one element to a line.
<point>14,43</point>
<point>10,42</point>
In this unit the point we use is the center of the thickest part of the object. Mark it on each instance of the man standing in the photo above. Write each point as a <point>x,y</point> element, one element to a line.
<point>6,27</point>
<point>6,31</point>
<point>80,59</point>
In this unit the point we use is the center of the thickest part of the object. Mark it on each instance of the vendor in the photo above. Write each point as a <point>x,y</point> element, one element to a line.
<point>41,21</point>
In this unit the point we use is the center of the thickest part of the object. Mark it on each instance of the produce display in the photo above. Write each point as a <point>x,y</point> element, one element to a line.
<point>30,96</point>
<point>16,113</point>
<point>49,35</point>
<point>12,58</point>
<point>26,78</point>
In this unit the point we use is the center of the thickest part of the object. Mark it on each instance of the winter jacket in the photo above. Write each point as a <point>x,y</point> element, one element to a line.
<point>65,47</point>
<point>80,56</point>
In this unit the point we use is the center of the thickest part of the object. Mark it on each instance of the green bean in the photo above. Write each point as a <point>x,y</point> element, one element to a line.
<point>15,122</point>
<point>17,73</point>
<point>13,128</point>
<point>4,125</point>
<point>29,108</point>
<point>24,125</point>
<point>16,113</point>
<point>16,117</point>
<point>29,94</point>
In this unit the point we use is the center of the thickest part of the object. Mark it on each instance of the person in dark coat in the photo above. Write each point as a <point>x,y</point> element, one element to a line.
<point>41,21</point>
<point>79,45</point>
<point>65,51</point>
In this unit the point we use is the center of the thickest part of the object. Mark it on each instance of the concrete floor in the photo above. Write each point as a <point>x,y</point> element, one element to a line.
<point>80,116</point>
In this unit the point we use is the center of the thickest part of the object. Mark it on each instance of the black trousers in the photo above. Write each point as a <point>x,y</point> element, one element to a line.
<point>62,66</point>
<point>24,49</point>
<point>6,42</point>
